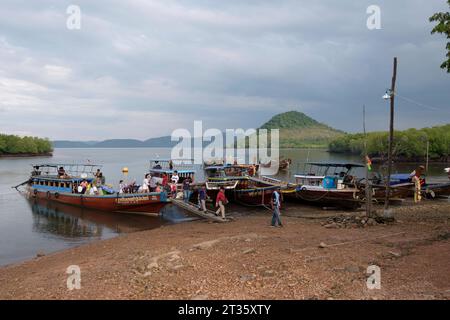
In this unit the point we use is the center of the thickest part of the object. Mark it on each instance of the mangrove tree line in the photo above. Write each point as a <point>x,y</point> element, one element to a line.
<point>409,144</point>
<point>12,145</point>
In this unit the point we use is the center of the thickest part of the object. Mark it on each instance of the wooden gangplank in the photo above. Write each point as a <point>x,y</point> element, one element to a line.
<point>192,208</point>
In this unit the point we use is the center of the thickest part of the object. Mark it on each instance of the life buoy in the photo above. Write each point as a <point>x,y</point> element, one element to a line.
<point>48,195</point>
<point>56,195</point>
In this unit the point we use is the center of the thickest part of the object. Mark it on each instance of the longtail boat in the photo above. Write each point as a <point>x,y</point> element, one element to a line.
<point>329,184</point>
<point>239,184</point>
<point>254,192</point>
<point>403,182</point>
<point>48,182</point>
<point>400,187</point>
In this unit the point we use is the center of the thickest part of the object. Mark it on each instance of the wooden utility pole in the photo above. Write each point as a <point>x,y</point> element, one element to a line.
<point>368,188</point>
<point>391,138</point>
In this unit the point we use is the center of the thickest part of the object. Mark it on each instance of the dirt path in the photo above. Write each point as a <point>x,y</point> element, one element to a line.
<point>248,259</point>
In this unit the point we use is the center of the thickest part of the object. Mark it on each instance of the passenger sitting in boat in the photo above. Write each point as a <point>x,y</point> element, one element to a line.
<point>122,186</point>
<point>36,171</point>
<point>175,178</point>
<point>93,190</point>
<point>165,180</point>
<point>83,185</point>
<point>145,184</point>
<point>158,188</point>
<point>152,183</point>
<point>157,165</point>
<point>62,173</point>
<point>132,187</point>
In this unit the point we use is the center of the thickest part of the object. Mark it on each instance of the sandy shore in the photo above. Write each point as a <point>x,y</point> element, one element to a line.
<point>248,259</point>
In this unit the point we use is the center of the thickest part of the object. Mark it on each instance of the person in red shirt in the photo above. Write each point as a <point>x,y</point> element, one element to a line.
<point>221,201</point>
<point>164,180</point>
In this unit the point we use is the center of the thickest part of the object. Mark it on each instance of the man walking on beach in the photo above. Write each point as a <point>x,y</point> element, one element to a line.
<point>221,201</point>
<point>276,221</point>
<point>202,199</point>
<point>416,177</point>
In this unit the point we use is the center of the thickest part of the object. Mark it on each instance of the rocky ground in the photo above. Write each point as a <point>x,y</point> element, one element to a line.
<point>316,255</point>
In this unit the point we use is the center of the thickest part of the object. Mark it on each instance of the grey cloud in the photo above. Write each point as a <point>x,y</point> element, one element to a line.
<point>230,63</point>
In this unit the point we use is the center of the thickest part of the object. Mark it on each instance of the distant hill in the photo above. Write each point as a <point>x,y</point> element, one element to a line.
<point>297,130</point>
<point>161,142</point>
<point>70,144</point>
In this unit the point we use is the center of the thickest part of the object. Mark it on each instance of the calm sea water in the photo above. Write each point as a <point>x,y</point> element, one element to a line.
<point>28,227</point>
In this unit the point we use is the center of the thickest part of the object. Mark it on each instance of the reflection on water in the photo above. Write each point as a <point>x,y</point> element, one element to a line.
<point>74,222</point>
<point>52,220</point>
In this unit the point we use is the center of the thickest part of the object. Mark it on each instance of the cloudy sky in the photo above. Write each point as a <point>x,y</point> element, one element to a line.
<point>141,68</point>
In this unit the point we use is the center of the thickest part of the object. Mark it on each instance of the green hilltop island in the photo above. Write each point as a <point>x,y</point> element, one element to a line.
<point>297,130</point>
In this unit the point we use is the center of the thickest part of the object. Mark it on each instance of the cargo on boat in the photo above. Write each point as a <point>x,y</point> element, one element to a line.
<point>81,185</point>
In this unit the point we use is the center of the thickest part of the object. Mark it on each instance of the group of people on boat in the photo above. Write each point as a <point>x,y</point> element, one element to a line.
<point>87,186</point>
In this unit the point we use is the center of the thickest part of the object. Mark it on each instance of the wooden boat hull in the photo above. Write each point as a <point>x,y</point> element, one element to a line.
<point>139,203</point>
<point>348,199</point>
<point>437,190</point>
<point>261,196</point>
<point>254,192</point>
<point>400,192</point>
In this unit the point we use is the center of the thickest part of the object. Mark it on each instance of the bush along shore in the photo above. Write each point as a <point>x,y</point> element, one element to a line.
<point>409,145</point>
<point>15,146</point>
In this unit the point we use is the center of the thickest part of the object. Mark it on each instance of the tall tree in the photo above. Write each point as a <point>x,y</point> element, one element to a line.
<point>443,27</point>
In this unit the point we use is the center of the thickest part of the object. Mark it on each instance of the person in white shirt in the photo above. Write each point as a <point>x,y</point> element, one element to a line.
<point>175,178</point>
<point>145,184</point>
<point>122,186</point>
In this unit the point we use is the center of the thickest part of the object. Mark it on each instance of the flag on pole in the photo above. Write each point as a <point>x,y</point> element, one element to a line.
<point>368,163</point>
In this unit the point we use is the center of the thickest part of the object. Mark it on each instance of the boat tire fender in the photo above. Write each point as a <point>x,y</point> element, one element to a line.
<point>48,195</point>
<point>56,195</point>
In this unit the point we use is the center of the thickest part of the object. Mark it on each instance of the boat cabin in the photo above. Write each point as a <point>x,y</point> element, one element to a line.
<point>61,178</point>
<point>184,168</point>
<point>226,172</point>
<point>318,175</point>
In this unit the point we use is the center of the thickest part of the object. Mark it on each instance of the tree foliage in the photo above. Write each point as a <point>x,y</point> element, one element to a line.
<point>11,144</point>
<point>411,143</point>
<point>443,27</point>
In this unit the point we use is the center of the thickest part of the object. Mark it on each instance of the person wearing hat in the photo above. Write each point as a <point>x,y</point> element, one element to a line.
<point>416,178</point>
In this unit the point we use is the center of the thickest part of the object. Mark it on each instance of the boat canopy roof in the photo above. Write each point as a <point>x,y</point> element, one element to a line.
<point>168,171</point>
<point>218,167</point>
<point>347,165</point>
<point>72,169</point>
<point>170,166</point>
<point>57,165</point>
